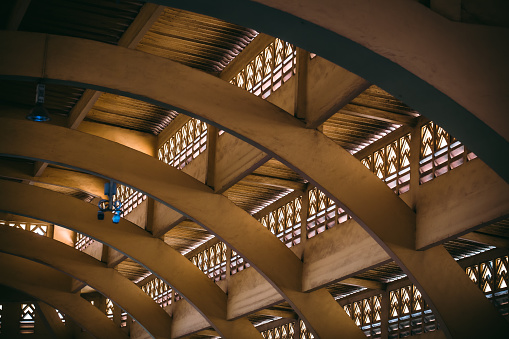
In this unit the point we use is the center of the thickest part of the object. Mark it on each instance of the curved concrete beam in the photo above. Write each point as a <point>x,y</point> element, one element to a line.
<point>132,241</point>
<point>90,271</point>
<point>454,74</point>
<point>183,192</point>
<point>332,169</point>
<point>52,287</point>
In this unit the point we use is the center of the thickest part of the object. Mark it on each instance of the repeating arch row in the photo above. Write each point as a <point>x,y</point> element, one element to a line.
<point>191,198</point>
<point>391,223</point>
<point>49,286</point>
<point>400,46</point>
<point>134,242</point>
<point>89,270</point>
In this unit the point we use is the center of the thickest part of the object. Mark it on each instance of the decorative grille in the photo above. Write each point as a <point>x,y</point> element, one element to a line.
<point>286,331</point>
<point>129,197</point>
<point>37,228</point>
<point>285,222</point>
<point>268,70</point>
<point>492,278</point>
<point>27,321</point>
<point>409,314</point>
<point>61,316</point>
<point>367,314</point>
<point>123,319</point>
<point>439,152</point>
<point>109,308</point>
<point>391,164</point>
<point>322,213</point>
<point>82,241</point>
<point>304,333</point>
<point>212,261</point>
<point>237,263</point>
<point>159,291</point>
<point>185,145</point>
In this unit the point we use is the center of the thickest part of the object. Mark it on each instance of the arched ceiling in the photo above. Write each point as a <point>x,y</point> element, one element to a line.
<point>396,64</point>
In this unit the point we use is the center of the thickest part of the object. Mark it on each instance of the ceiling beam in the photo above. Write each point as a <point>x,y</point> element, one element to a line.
<point>487,239</point>
<point>273,182</point>
<point>257,45</point>
<point>277,313</point>
<point>148,14</point>
<point>82,107</point>
<point>371,284</point>
<point>377,114</point>
<point>17,14</point>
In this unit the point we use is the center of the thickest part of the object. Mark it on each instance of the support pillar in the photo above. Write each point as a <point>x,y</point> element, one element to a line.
<point>415,150</point>
<point>304,215</point>
<point>301,96</point>
<point>212,134</point>
<point>384,325</point>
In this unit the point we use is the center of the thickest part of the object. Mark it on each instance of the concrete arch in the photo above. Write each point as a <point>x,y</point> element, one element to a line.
<point>331,168</point>
<point>193,198</point>
<point>190,197</point>
<point>134,242</point>
<point>52,287</point>
<point>391,223</point>
<point>400,46</point>
<point>89,270</point>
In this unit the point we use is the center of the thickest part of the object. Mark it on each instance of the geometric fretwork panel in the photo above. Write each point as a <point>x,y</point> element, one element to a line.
<point>123,319</point>
<point>159,291</point>
<point>322,213</point>
<point>493,279</point>
<point>37,228</point>
<point>439,152</point>
<point>109,308</point>
<point>82,241</point>
<point>304,333</point>
<point>268,70</point>
<point>285,222</point>
<point>237,263</point>
<point>408,313</point>
<point>129,197</point>
<point>367,314</point>
<point>185,145</point>
<point>391,164</point>
<point>212,261</point>
<point>27,320</point>
<point>286,331</point>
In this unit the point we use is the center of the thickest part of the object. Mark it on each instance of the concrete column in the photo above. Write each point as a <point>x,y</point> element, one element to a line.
<point>304,215</point>
<point>301,97</point>
<point>297,329</point>
<point>150,215</point>
<point>228,263</point>
<point>212,134</point>
<point>415,149</point>
<point>385,315</point>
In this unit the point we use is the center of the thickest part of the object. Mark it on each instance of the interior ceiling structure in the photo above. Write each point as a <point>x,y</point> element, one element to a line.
<point>348,119</point>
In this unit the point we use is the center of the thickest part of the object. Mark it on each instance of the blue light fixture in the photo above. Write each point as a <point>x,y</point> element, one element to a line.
<point>39,113</point>
<point>109,205</point>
